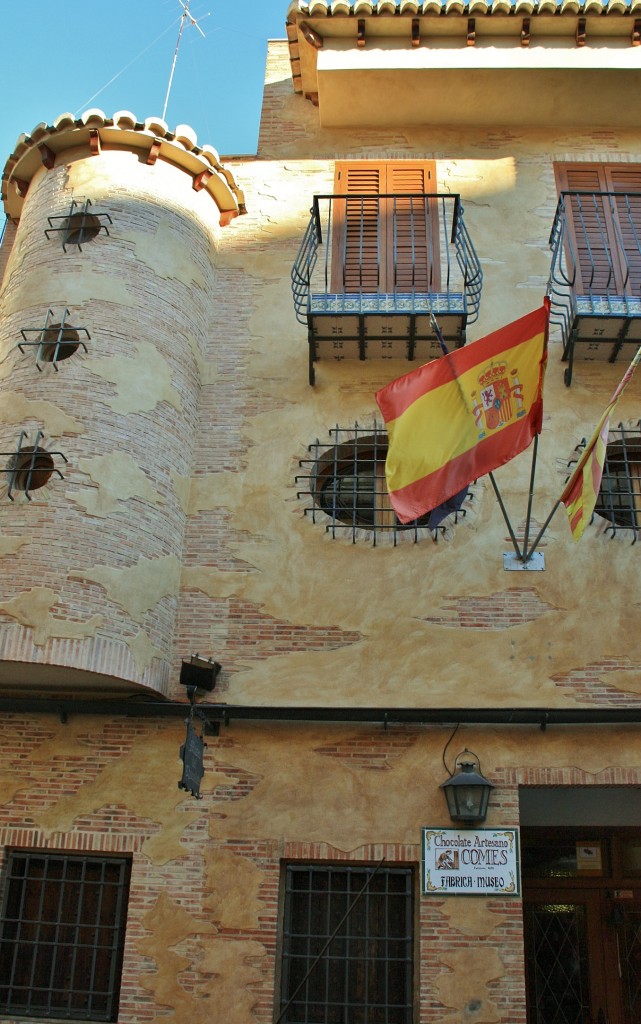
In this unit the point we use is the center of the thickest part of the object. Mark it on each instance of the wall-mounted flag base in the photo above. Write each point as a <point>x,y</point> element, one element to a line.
<point>535,562</point>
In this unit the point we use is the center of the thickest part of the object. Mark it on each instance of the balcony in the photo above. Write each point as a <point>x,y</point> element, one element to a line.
<point>373,268</point>
<point>595,279</point>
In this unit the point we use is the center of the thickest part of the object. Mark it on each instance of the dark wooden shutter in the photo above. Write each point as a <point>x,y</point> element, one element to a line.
<point>627,178</point>
<point>382,245</point>
<point>589,221</point>
<point>606,232</point>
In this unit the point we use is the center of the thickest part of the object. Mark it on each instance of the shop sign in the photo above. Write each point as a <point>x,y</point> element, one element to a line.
<point>471,862</point>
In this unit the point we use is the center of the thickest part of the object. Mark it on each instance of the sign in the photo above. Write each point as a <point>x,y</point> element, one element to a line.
<point>589,860</point>
<point>471,862</point>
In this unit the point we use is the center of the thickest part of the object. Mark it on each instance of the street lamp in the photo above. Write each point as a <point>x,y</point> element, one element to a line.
<point>467,791</point>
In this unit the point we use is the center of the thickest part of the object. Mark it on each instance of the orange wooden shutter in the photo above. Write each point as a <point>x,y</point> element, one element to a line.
<point>358,245</point>
<point>413,226</point>
<point>384,245</point>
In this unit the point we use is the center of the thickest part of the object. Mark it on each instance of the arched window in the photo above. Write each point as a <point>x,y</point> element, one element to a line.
<point>346,481</point>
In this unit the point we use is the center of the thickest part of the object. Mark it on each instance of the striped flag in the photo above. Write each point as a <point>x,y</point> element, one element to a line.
<point>582,489</point>
<point>463,415</point>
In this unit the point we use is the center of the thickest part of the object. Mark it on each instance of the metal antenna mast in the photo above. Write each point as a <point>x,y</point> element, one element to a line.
<point>183,18</point>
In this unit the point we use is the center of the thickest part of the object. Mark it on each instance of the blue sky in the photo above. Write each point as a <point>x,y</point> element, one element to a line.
<point>57,55</point>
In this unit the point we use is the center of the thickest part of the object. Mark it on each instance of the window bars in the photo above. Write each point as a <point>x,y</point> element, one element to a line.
<point>346,484</point>
<point>78,225</point>
<point>347,945</point>
<point>30,467</point>
<point>54,341</point>
<point>63,930</point>
<point>619,498</point>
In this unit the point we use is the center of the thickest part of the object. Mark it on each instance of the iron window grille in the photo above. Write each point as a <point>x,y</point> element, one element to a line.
<point>346,485</point>
<point>63,931</point>
<point>30,467</point>
<point>619,498</point>
<point>54,341</point>
<point>348,940</point>
<point>78,225</point>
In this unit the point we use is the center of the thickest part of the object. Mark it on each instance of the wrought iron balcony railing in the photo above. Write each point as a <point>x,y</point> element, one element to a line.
<point>595,278</point>
<point>372,268</point>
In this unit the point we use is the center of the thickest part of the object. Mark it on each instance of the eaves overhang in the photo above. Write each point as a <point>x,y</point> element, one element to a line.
<point>71,138</point>
<point>396,63</point>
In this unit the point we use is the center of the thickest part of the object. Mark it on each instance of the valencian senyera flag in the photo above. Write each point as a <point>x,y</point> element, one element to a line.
<point>582,489</point>
<point>463,415</point>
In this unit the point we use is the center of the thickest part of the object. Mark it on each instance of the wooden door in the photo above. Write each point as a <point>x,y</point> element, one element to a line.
<point>583,956</point>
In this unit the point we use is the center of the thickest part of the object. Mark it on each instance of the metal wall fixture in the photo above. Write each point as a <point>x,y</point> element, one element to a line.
<point>467,791</point>
<point>196,674</point>
<point>78,225</point>
<point>30,467</point>
<point>54,341</point>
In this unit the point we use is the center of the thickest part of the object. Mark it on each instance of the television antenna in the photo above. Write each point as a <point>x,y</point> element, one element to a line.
<point>185,16</point>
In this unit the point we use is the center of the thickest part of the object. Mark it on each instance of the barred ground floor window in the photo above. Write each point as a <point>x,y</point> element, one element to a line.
<point>63,932</point>
<point>348,943</point>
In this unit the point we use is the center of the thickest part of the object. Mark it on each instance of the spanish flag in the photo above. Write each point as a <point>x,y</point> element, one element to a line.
<point>463,415</point>
<point>582,489</point>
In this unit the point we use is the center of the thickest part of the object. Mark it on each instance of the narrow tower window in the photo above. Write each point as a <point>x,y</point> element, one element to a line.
<point>54,341</point>
<point>78,225</point>
<point>29,467</point>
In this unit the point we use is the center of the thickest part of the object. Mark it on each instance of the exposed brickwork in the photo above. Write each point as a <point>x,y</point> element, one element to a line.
<point>589,684</point>
<point>376,752</point>
<point>6,247</point>
<point>253,634</point>
<point>501,610</point>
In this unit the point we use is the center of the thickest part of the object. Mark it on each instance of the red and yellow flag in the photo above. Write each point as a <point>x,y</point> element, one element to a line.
<point>582,489</point>
<point>463,415</point>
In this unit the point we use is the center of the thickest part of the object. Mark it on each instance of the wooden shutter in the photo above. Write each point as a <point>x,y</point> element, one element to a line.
<point>358,245</point>
<point>382,245</point>
<point>627,178</point>
<point>606,232</point>
<point>413,225</point>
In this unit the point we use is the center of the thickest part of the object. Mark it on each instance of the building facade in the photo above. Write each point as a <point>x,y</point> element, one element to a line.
<point>204,580</point>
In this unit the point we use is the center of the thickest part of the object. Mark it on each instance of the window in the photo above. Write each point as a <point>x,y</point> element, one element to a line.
<point>347,945</point>
<point>604,216</point>
<point>29,466</point>
<point>386,237</point>
<point>78,225</point>
<point>619,499</point>
<point>54,341</point>
<point>63,931</point>
<point>347,482</point>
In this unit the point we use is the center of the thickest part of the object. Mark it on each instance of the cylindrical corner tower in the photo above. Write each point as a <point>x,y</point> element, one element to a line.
<point>103,310</point>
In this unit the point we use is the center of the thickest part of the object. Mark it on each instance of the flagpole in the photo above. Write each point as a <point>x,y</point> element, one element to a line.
<point>589,447</point>
<point>517,549</point>
<point>541,532</point>
<point>530,497</point>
